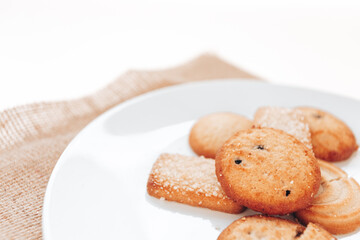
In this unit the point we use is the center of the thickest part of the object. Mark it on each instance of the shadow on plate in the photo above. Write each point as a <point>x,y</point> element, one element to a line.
<point>219,220</point>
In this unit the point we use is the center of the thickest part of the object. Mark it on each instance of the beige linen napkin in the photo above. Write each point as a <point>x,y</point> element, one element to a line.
<point>32,137</point>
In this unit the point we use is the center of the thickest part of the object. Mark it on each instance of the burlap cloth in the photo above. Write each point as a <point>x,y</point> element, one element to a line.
<point>32,137</point>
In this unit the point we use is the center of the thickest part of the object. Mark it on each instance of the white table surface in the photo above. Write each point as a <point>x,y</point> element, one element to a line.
<point>54,50</point>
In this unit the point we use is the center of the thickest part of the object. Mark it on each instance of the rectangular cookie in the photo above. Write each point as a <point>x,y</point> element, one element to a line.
<point>289,120</point>
<point>189,180</point>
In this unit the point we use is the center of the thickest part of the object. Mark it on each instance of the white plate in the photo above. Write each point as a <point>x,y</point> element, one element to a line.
<point>98,187</point>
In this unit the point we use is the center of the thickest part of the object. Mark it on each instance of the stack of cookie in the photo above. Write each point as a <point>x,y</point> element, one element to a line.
<point>270,165</point>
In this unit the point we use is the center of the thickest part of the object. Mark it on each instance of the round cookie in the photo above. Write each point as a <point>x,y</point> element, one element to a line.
<point>331,138</point>
<point>259,227</point>
<point>268,170</point>
<point>211,131</point>
<point>336,206</point>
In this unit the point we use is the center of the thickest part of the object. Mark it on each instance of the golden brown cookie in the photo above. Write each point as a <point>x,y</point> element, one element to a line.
<point>289,120</point>
<point>314,231</point>
<point>260,227</point>
<point>268,170</point>
<point>189,180</point>
<point>211,131</point>
<point>336,206</point>
<point>331,138</point>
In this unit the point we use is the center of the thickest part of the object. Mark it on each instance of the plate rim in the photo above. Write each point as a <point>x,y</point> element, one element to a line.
<point>45,226</point>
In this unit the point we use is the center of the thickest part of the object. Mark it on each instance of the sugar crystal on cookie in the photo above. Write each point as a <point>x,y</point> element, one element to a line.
<point>286,119</point>
<point>189,180</point>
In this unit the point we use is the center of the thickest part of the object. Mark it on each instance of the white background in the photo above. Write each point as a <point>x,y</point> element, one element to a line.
<point>54,50</point>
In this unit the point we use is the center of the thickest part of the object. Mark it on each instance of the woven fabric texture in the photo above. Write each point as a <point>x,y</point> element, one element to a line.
<point>32,137</point>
